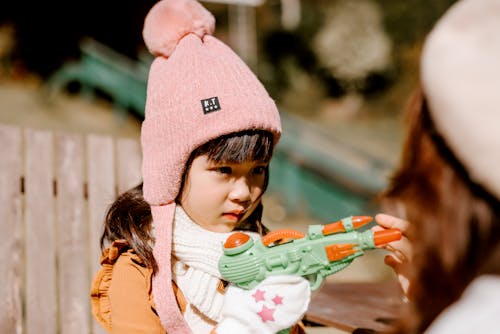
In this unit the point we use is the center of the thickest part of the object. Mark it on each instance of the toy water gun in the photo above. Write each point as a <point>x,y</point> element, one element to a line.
<point>323,251</point>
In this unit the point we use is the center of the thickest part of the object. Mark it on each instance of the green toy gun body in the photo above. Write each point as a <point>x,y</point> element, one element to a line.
<point>325,250</point>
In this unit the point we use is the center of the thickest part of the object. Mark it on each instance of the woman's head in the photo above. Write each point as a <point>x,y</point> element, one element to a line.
<point>449,173</point>
<point>448,184</point>
<point>452,153</point>
<point>224,180</point>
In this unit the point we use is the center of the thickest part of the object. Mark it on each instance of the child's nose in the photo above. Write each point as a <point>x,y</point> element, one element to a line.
<point>240,190</point>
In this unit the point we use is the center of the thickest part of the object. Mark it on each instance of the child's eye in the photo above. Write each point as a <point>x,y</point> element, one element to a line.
<point>224,170</point>
<point>259,170</point>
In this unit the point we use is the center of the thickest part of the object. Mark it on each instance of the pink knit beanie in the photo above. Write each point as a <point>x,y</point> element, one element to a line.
<point>460,71</point>
<point>198,89</point>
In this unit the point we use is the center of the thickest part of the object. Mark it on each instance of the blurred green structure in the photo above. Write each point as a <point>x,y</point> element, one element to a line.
<point>103,70</point>
<point>313,171</point>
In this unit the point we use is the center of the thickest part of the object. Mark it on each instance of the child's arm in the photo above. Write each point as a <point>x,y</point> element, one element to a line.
<point>131,309</point>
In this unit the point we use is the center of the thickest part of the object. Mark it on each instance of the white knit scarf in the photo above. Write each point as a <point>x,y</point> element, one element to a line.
<point>196,253</point>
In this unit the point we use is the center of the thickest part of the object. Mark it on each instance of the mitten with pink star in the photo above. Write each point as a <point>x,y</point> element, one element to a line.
<point>277,303</point>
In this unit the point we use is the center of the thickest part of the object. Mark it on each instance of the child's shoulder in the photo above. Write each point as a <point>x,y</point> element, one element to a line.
<point>120,249</point>
<point>118,260</point>
<point>120,256</point>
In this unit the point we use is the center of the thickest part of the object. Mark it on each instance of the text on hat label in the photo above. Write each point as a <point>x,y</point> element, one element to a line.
<point>210,105</point>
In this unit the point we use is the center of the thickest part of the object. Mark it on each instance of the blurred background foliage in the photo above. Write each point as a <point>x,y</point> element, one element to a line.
<point>339,47</point>
<point>363,48</point>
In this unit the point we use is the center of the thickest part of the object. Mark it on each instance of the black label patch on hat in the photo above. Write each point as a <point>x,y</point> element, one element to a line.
<point>210,105</point>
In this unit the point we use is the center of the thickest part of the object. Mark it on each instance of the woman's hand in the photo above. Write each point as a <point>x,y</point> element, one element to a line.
<point>401,250</point>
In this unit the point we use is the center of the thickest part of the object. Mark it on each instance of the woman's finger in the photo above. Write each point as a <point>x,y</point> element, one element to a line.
<point>392,261</point>
<point>388,221</point>
<point>401,270</point>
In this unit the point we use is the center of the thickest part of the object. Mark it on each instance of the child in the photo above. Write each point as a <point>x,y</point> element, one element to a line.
<point>207,139</point>
<point>448,184</point>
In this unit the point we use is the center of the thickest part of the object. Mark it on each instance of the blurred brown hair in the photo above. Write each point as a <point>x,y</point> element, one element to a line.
<point>455,224</point>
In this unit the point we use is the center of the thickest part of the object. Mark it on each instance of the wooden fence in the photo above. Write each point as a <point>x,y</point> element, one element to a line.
<point>54,191</point>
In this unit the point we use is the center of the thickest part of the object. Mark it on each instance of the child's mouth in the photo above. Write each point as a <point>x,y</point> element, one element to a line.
<point>233,216</point>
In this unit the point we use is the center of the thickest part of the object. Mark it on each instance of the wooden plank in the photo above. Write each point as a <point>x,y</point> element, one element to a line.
<point>128,156</point>
<point>101,193</point>
<point>73,273</point>
<point>371,306</point>
<point>40,236</point>
<point>11,235</point>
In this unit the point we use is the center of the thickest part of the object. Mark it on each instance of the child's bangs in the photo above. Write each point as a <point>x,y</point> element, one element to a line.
<point>240,147</point>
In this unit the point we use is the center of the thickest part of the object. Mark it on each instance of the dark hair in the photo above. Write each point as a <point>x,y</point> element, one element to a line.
<point>129,217</point>
<point>455,227</point>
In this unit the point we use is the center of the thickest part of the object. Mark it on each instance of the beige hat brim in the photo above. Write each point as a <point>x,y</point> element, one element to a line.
<point>460,73</point>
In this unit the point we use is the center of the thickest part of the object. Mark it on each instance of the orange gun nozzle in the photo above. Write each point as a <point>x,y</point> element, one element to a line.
<point>357,222</point>
<point>385,236</point>
<point>285,233</point>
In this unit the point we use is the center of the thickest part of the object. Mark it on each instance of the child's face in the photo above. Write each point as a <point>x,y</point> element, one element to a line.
<point>218,196</point>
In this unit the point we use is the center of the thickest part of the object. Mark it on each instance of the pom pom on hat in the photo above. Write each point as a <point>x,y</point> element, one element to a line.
<point>460,72</point>
<point>170,20</point>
